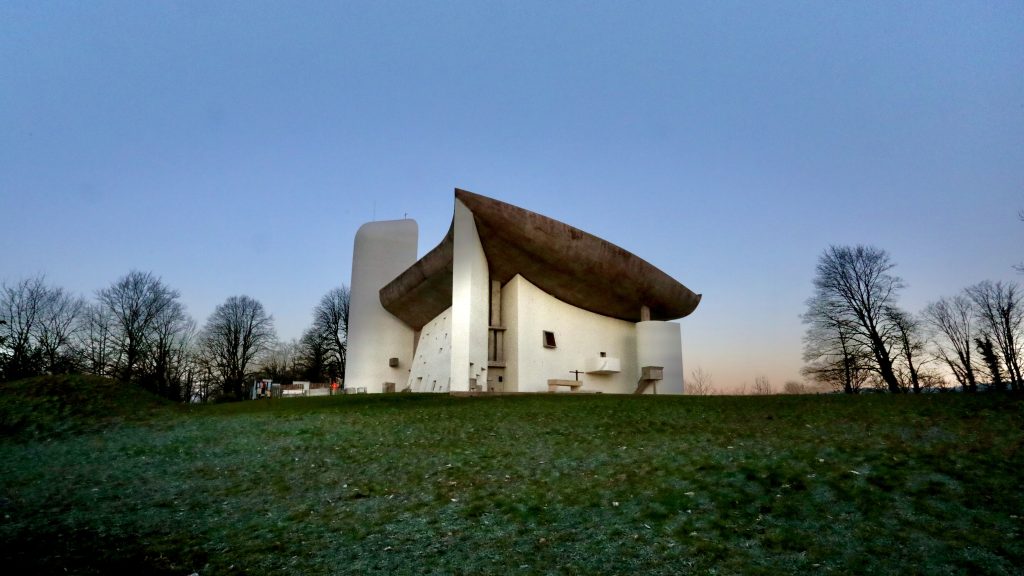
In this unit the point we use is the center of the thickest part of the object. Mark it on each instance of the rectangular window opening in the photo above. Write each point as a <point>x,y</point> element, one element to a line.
<point>549,339</point>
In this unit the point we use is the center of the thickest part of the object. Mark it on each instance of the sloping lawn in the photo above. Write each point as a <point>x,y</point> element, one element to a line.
<point>555,484</point>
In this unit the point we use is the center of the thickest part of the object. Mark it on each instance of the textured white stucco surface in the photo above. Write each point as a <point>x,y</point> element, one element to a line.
<point>431,368</point>
<point>579,335</point>
<point>383,250</point>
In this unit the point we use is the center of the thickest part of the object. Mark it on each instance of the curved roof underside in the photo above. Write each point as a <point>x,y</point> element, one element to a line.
<point>576,267</point>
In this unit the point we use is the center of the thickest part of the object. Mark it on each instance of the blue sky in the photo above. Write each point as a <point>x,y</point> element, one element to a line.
<point>235,147</point>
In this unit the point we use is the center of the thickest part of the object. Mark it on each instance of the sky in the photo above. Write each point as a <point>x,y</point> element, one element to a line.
<point>235,147</point>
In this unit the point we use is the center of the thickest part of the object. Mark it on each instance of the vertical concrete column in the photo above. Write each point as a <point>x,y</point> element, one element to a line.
<point>661,344</point>
<point>470,310</point>
<point>495,303</point>
<point>497,343</point>
<point>510,294</point>
<point>383,250</point>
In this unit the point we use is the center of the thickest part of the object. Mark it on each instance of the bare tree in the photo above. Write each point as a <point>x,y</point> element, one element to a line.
<point>952,321</point>
<point>991,359</point>
<point>907,331</point>
<point>137,302</point>
<point>700,383</point>
<point>833,354</point>
<point>201,378</point>
<point>22,308</point>
<point>38,322</point>
<point>330,322</point>
<point>762,385</point>
<point>237,332</point>
<point>313,355</point>
<point>933,380</point>
<point>57,327</point>
<point>794,387</point>
<point>167,362</point>
<point>281,363</point>
<point>96,351</point>
<point>856,284</point>
<point>1000,311</point>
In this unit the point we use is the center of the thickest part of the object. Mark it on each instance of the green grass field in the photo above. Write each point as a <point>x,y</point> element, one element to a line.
<point>555,484</point>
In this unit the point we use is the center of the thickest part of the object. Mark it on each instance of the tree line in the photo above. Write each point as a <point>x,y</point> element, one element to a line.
<point>137,330</point>
<point>859,338</point>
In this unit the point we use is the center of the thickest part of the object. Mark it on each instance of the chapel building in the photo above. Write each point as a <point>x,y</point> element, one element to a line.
<point>510,301</point>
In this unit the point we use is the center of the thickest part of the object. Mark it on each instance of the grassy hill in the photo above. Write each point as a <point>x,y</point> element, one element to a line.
<point>54,405</point>
<point>554,484</point>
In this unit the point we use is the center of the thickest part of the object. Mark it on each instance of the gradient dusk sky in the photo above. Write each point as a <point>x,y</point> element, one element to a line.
<point>235,147</point>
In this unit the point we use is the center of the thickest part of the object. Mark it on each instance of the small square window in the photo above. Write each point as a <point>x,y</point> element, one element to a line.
<point>549,339</point>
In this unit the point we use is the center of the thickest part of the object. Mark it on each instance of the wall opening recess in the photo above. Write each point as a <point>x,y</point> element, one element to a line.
<point>549,339</point>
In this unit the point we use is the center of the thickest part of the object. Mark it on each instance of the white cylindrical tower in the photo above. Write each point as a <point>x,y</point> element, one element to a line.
<point>661,344</point>
<point>380,346</point>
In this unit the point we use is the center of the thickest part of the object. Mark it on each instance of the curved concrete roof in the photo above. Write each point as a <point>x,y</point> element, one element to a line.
<point>566,262</point>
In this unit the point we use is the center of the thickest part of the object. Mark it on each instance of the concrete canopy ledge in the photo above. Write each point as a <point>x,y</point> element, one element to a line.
<point>566,262</point>
<point>424,290</point>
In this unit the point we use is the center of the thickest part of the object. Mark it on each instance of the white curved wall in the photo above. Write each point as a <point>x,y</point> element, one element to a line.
<point>383,250</point>
<point>661,344</point>
<point>579,336</point>
<point>470,297</point>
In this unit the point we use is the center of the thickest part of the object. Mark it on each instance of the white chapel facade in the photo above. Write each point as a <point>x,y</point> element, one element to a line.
<point>510,301</point>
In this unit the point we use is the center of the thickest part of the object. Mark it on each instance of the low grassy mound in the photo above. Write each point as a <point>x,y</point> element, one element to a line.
<point>547,484</point>
<point>48,406</point>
